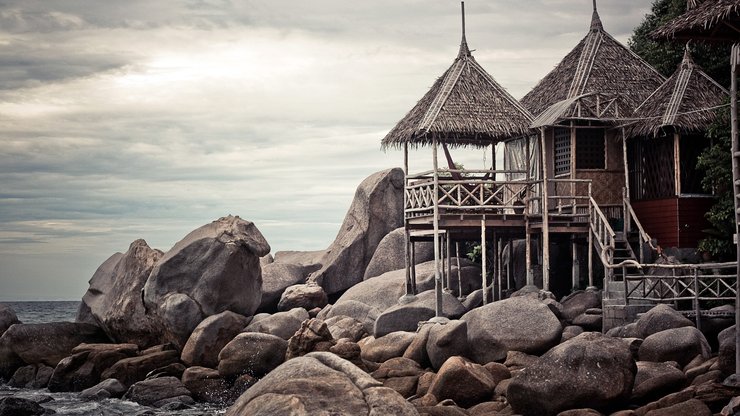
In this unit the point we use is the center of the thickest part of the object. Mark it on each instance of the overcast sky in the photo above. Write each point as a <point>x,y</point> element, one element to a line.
<point>147,119</point>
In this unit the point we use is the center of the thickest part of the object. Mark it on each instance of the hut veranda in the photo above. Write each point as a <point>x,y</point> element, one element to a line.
<point>584,161</point>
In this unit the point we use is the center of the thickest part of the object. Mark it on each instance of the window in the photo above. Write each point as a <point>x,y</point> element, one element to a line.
<point>562,151</point>
<point>590,149</point>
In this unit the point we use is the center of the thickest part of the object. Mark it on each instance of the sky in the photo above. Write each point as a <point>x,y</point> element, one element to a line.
<point>147,119</point>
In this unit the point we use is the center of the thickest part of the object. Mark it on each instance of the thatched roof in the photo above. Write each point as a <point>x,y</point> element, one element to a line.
<point>464,107</point>
<point>717,20</point>
<point>684,102</point>
<point>598,64</point>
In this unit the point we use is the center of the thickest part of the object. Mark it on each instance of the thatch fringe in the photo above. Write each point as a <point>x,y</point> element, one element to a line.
<point>704,21</point>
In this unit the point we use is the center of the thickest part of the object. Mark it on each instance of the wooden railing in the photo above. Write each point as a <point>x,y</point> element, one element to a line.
<point>604,235</point>
<point>630,220</point>
<point>683,282</point>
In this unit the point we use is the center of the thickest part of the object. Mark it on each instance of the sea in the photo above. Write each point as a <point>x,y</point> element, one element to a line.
<point>70,403</point>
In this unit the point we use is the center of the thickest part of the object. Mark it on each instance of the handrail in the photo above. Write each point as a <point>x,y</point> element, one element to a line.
<point>604,234</point>
<point>644,236</point>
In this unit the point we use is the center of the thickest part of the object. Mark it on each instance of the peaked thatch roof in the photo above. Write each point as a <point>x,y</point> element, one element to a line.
<point>598,64</point>
<point>717,20</point>
<point>464,107</point>
<point>684,102</point>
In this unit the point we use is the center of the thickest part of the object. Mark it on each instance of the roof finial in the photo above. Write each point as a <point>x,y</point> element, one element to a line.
<point>595,20</point>
<point>464,51</point>
<point>687,61</point>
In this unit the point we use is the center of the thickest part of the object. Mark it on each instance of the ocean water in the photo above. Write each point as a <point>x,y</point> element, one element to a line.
<point>70,403</point>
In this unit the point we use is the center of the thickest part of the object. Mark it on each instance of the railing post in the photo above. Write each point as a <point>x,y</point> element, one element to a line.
<point>697,309</point>
<point>590,240</point>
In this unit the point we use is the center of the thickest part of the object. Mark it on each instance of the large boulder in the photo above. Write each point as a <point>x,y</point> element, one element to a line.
<point>445,341</point>
<point>105,389</point>
<point>376,210</point>
<point>406,316</point>
<point>726,354</point>
<point>7,318</point>
<point>213,269</point>
<point>251,353</point>
<point>346,327</point>
<point>390,254</point>
<point>276,277</point>
<point>386,347</point>
<point>579,302</point>
<point>306,296</point>
<point>206,384</point>
<point>660,318</point>
<point>344,389</point>
<point>654,380</point>
<point>83,368</point>
<point>464,382</point>
<point>114,301</point>
<point>314,335</point>
<point>49,343</point>
<point>518,324</point>
<point>32,376</point>
<point>282,324</point>
<point>18,406</point>
<point>9,360</point>
<point>210,336</point>
<point>678,344</point>
<point>588,371</point>
<point>130,370</point>
<point>158,392</point>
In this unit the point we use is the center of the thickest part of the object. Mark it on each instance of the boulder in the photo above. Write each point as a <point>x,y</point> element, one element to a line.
<point>346,327</point>
<point>106,389</point>
<point>517,360</point>
<point>660,318</point>
<point>158,392</point>
<point>84,367</point>
<point>306,296</point>
<point>726,354</point>
<point>588,371</point>
<point>210,336</point>
<point>691,407</point>
<point>313,335</point>
<point>406,316</point>
<point>213,269</point>
<point>520,324</point>
<point>361,312</point>
<point>18,406</point>
<point>49,343</point>
<point>7,318</point>
<point>570,331</point>
<point>498,371</point>
<point>251,353</point>
<point>282,324</point>
<point>9,360</point>
<point>344,389</point>
<point>445,341</point>
<point>390,254</point>
<point>205,384</point>
<point>130,370</point>
<point>276,277</point>
<point>114,301</point>
<point>466,383</point>
<point>31,376</point>
<point>400,374</point>
<point>417,350</point>
<point>589,322</point>
<point>655,380</point>
<point>387,347</point>
<point>376,210</point>
<point>678,344</point>
<point>578,302</point>
<point>350,351</point>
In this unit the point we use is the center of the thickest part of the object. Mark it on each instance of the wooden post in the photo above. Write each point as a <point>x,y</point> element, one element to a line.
<point>483,250</point>
<point>510,266</point>
<point>459,273</point>
<point>677,163</point>
<point>528,252</point>
<point>407,237</point>
<point>545,219</point>
<point>449,263</point>
<point>413,268</point>
<point>435,221</point>
<point>575,271</point>
<point>735,57</point>
<point>626,167</point>
<point>527,196</point>
<point>499,253</point>
<point>590,242</point>
<point>697,308</point>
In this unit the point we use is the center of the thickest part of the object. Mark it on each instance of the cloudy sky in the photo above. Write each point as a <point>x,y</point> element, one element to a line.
<point>146,119</point>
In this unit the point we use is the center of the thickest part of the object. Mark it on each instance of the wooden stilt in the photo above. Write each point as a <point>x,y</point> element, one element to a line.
<point>413,268</point>
<point>437,274</point>
<point>449,263</point>
<point>510,266</point>
<point>459,272</point>
<point>590,244</point>
<point>407,236</point>
<point>499,274</point>
<point>528,253</point>
<point>484,271</point>
<point>575,271</point>
<point>735,57</point>
<point>545,219</point>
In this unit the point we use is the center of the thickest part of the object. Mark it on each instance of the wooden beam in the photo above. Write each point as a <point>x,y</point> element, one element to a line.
<point>483,250</point>
<point>437,275</point>
<point>545,225</point>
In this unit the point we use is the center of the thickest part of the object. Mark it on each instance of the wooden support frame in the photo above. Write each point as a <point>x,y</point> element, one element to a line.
<point>545,215</point>
<point>438,312</point>
<point>484,265</point>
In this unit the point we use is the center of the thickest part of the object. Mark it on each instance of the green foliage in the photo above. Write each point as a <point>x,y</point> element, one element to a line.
<point>716,163</point>
<point>666,56</point>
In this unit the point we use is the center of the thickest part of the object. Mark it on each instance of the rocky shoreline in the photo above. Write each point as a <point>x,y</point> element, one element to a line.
<point>218,319</point>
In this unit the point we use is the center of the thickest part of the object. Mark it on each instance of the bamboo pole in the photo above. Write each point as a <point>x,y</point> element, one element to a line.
<point>407,237</point>
<point>435,221</point>
<point>735,56</point>
<point>483,250</point>
<point>545,219</point>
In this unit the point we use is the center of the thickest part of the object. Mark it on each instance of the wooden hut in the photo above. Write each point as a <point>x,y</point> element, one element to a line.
<point>667,136</point>
<point>465,107</point>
